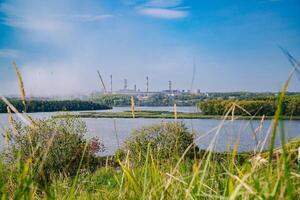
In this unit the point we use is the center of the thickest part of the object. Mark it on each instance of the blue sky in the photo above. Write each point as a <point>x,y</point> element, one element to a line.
<point>59,45</point>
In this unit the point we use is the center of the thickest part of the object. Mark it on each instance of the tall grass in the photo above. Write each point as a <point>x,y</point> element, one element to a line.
<point>21,84</point>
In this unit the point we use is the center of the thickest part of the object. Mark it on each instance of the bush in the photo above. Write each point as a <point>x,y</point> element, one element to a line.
<point>55,146</point>
<point>167,141</point>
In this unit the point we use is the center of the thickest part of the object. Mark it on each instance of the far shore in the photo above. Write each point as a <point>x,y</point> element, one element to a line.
<point>165,115</point>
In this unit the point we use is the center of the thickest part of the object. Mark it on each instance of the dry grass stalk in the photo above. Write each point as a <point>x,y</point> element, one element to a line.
<point>25,118</point>
<point>132,106</point>
<point>21,84</point>
<point>11,121</point>
<point>175,111</point>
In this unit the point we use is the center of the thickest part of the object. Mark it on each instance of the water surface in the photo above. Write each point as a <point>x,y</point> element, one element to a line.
<point>205,129</point>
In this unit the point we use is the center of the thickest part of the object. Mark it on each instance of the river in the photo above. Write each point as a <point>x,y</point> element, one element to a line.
<point>205,129</point>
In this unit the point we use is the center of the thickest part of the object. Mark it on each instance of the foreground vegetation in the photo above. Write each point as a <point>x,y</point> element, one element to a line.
<point>54,161</point>
<point>51,106</point>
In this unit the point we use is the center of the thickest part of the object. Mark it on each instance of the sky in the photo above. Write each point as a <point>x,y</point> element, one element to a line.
<point>233,44</point>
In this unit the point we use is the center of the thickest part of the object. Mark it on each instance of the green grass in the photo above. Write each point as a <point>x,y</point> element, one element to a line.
<point>208,176</point>
<point>164,115</point>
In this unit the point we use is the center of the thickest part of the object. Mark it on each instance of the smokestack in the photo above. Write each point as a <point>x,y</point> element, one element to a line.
<point>170,86</point>
<point>147,84</point>
<point>134,87</point>
<point>111,88</point>
<point>125,84</point>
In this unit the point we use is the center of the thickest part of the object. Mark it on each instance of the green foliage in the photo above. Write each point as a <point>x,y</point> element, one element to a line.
<point>292,106</point>
<point>103,177</point>
<point>113,100</point>
<point>152,100</point>
<point>167,141</point>
<point>51,106</point>
<point>246,95</point>
<point>2,177</point>
<point>267,106</point>
<point>206,176</point>
<point>55,147</point>
<point>182,99</point>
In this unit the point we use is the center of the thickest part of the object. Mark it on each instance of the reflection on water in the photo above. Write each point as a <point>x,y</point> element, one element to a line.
<point>227,137</point>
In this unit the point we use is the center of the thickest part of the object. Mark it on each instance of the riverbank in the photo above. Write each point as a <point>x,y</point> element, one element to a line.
<point>163,115</point>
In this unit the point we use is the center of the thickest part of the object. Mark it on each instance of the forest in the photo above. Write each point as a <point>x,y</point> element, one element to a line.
<point>182,99</point>
<point>52,105</point>
<point>258,106</point>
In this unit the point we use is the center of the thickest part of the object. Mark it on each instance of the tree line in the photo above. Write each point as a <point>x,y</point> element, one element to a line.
<point>260,106</point>
<point>153,100</point>
<point>182,99</point>
<point>52,105</point>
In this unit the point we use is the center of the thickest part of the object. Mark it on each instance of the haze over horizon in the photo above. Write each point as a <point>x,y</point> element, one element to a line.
<point>59,45</point>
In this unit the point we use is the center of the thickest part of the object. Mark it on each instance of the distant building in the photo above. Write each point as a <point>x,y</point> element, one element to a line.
<point>171,92</point>
<point>136,92</point>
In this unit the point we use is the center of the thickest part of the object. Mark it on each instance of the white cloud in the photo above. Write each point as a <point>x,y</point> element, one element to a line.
<point>154,3</point>
<point>90,18</point>
<point>164,3</point>
<point>44,18</point>
<point>164,9</point>
<point>33,18</point>
<point>10,53</point>
<point>51,23</point>
<point>163,13</point>
<point>46,24</point>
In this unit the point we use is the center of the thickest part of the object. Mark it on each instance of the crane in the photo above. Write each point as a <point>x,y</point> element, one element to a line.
<point>102,82</point>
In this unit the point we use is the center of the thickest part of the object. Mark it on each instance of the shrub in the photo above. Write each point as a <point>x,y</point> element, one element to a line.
<point>167,141</point>
<point>56,147</point>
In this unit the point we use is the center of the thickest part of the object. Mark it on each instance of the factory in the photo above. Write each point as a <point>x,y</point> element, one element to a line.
<point>134,91</point>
